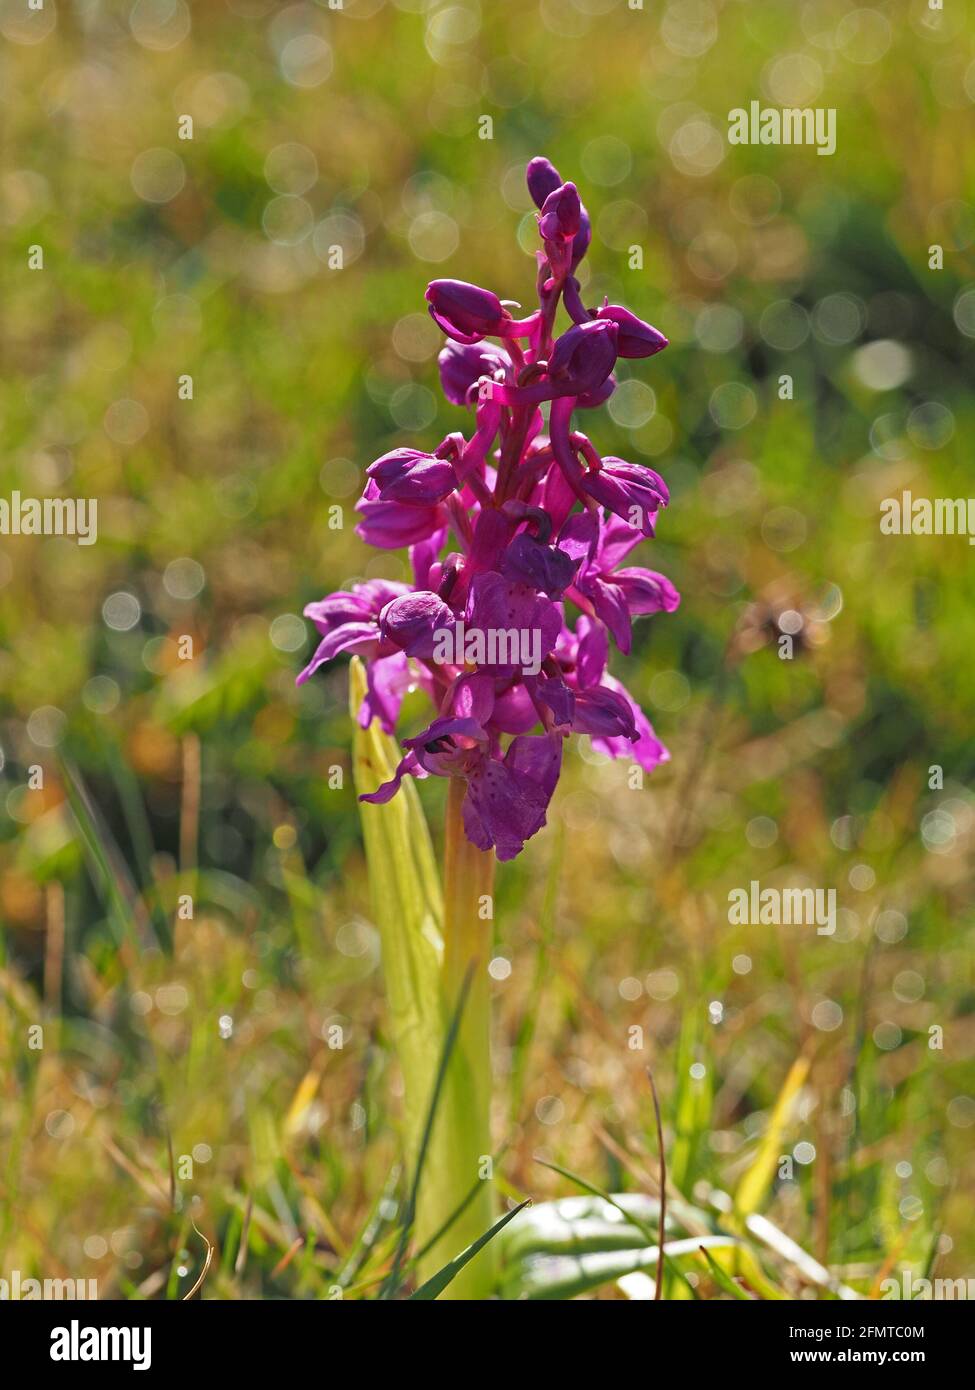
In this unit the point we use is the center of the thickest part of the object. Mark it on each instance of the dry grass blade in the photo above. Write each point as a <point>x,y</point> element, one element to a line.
<point>288,1256</point>
<point>208,1261</point>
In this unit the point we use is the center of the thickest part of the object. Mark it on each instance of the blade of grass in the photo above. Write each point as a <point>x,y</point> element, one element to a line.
<point>724,1281</point>
<point>110,878</point>
<point>659,1288</point>
<point>757,1178</point>
<point>435,1286</point>
<point>140,836</point>
<point>648,1233</point>
<point>365,1241</point>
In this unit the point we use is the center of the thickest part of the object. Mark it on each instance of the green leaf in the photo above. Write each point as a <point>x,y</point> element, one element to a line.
<point>563,1277</point>
<point>651,1234</point>
<point>407,907</point>
<point>580,1226</point>
<point>692,1105</point>
<point>393,1281</point>
<point>757,1179</point>
<point>435,1286</point>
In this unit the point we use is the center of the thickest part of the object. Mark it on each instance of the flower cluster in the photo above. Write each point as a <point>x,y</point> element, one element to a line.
<point>506,527</point>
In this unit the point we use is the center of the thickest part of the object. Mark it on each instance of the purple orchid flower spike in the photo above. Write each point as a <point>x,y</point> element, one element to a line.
<point>517,533</point>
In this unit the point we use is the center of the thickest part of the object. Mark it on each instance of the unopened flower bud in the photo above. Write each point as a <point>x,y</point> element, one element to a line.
<point>636,338</point>
<point>464,312</point>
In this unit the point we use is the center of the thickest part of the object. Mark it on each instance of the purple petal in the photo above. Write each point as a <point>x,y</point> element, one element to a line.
<point>647,751</point>
<point>584,356</point>
<point>542,178</point>
<point>412,622</point>
<point>636,338</point>
<point>464,311</point>
<point>610,606</point>
<point>554,693</point>
<point>646,591</point>
<point>592,653</point>
<point>579,536</point>
<point>526,561</point>
<point>387,681</point>
<point>604,713</point>
<point>463,364</point>
<point>471,697</point>
<point>363,601</point>
<point>538,756</point>
<point>359,638</point>
<point>496,605</point>
<point>391,525</point>
<point>616,539</point>
<point>415,479</point>
<point>506,802</point>
<point>409,766</point>
<point>514,712</point>
<point>561,214</point>
<point>632,492</point>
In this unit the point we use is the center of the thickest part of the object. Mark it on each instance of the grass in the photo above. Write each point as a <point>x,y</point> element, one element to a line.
<point>227,1080</point>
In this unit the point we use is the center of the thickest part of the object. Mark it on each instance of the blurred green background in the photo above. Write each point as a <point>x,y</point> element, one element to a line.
<point>214,258</point>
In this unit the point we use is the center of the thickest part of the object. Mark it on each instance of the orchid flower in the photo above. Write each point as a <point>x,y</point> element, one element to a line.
<point>517,530</point>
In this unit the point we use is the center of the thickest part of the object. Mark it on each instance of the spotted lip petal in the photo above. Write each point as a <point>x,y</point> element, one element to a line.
<point>507,800</point>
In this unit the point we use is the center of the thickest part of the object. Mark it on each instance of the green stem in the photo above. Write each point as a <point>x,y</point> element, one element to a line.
<point>460,1145</point>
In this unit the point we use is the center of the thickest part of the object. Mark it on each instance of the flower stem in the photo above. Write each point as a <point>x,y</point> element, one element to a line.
<point>460,1152</point>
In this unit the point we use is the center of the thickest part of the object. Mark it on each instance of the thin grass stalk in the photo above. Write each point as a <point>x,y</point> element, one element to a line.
<point>460,1150</point>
